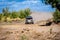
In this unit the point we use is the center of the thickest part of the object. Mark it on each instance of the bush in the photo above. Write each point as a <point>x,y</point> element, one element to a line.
<point>6,14</point>
<point>0,17</point>
<point>14,15</point>
<point>24,37</point>
<point>24,13</point>
<point>56,16</point>
<point>27,12</point>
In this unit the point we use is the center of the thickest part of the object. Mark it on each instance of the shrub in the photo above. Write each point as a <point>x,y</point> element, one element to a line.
<point>24,37</point>
<point>27,12</point>
<point>22,14</point>
<point>56,16</point>
<point>0,17</point>
<point>7,14</point>
<point>14,15</point>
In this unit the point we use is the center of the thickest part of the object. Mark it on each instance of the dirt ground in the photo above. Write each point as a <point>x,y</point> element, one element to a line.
<point>29,32</point>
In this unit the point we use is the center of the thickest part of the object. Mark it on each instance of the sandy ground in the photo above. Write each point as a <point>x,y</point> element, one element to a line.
<point>39,16</point>
<point>29,32</point>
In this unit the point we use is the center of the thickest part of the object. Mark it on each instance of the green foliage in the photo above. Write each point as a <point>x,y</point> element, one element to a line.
<point>24,13</point>
<point>52,2</point>
<point>0,17</point>
<point>56,15</point>
<point>55,4</point>
<point>14,15</point>
<point>6,14</point>
<point>27,12</point>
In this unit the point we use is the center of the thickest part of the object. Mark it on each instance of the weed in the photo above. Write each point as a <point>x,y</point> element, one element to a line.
<point>24,37</point>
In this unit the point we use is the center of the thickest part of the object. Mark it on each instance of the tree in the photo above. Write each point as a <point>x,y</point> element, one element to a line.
<point>27,12</point>
<point>54,3</point>
<point>22,14</point>
<point>5,12</point>
<point>56,16</point>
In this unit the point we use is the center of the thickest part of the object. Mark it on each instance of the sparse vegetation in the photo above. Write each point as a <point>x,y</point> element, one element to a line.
<point>23,37</point>
<point>51,31</point>
<point>5,12</point>
<point>12,15</point>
